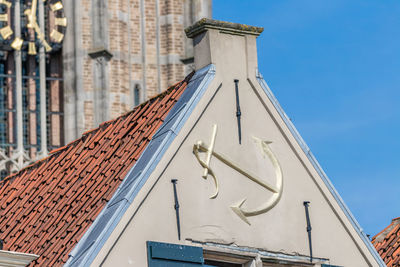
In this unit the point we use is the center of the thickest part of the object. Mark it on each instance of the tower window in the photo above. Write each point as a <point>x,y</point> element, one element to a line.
<point>136,94</point>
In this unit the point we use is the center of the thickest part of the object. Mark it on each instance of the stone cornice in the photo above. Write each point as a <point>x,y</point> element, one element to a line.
<point>227,27</point>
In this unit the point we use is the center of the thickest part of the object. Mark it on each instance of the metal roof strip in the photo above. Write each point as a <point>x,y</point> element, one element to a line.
<point>319,169</point>
<point>95,237</point>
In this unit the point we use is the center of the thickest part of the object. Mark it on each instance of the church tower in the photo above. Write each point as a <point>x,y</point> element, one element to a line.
<point>67,66</point>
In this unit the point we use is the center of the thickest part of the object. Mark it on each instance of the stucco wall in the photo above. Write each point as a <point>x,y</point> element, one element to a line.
<point>283,228</point>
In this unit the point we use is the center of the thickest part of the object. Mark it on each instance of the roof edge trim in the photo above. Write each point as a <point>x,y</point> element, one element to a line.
<point>98,233</point>
<point>318,168</point>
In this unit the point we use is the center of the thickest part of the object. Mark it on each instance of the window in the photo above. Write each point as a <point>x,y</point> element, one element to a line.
<point>171,255</point>
<point>136,94</point>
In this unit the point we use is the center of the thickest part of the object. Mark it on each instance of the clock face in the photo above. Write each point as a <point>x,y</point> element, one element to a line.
<point>6,31</point>
<point>32,35</point>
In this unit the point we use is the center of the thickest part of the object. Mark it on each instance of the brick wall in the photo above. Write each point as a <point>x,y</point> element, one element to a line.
<point>147,42</point>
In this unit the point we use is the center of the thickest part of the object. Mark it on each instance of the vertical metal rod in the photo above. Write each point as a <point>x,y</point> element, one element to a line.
<point>238,112</point>
<point>176,206</point>
<point>143,93</point>
<point>18,87</point>
<point>42,70</point>
<point>158,49</point>
<point>131,85</point>
<point>306,205</point>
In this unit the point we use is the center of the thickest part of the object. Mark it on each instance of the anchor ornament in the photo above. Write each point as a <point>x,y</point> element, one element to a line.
<point>276,188</point>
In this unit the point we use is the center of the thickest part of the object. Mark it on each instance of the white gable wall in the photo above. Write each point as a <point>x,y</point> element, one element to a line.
<point>151,216</point>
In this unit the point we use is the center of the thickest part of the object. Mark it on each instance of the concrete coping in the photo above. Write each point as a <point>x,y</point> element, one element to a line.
<point>224,26</point>
<point>16,259</point>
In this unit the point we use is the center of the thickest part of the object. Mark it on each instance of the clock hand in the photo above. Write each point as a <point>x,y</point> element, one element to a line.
<point>41,36</point>
<point>34,7</point>
<point>28,15</point>
<point>31,14</point>
<point>37,30</point>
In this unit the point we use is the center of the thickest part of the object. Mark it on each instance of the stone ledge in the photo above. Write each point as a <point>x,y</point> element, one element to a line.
<point>100,52</point>
<point>16,259</point>
<point>224,26</point>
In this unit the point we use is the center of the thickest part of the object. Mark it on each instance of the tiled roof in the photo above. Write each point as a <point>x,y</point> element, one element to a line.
<point>387,243</point>
<point>48,206</point>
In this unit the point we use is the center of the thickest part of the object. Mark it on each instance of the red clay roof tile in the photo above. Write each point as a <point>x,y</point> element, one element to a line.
<point>47,207</point>
<point>387,243</point>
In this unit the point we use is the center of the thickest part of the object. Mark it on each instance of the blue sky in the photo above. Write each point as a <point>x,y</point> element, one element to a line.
<point>334,65</point>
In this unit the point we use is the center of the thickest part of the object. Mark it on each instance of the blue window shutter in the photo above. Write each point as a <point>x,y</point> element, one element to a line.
<point>328,265</point>
<point>171,255</point>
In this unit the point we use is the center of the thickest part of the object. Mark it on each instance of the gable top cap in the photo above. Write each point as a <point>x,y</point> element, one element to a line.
<point>224,26</point>
<point>231,47</point>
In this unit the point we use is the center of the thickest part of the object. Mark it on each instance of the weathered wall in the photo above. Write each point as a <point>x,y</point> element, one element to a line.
<point>147,50</point>
<point>151,216</point>
<point>212,220</point>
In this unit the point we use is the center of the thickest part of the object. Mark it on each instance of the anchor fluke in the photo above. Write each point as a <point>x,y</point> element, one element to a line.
<point>237,208</point>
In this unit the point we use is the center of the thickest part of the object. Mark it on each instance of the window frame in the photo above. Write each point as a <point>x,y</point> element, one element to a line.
<point>168,254</point>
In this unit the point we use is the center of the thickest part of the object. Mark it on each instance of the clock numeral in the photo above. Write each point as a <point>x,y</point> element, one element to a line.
<point>46,45</point>
<point>6,32</point>
<point>56,36</point>
<point>3,17</point>
<point>61,22</point>
<point>17,43</point>
<point>56,6</point>
<point>32,49</point>
<point>8,4</point>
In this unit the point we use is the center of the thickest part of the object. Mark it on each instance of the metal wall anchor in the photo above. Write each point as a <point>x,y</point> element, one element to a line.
<point>176,206</point>
<point>238,112</point>
<point>306,206</point>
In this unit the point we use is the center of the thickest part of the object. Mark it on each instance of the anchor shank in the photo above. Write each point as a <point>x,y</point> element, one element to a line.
<point>234,166</point>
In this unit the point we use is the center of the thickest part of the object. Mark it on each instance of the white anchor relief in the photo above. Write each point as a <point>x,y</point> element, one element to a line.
<point>276,188</point>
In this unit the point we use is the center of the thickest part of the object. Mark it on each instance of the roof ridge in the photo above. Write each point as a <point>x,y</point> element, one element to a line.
<point>379,237</point>
<point>101,126</point>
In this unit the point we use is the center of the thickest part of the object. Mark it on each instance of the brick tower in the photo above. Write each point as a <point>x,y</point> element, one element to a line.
<point>105,57</point>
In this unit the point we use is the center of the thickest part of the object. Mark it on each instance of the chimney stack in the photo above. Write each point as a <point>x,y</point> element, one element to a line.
<point>226,45</point>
